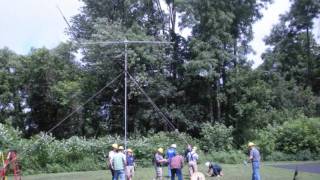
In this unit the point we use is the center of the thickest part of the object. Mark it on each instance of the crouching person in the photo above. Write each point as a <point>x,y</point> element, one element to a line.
<point>214,169</point>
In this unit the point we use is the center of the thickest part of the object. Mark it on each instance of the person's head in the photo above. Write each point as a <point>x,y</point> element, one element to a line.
<point>114,147</point>
<point>129,151</point>
<point>160,150</point>
<point>120,148</point>
<point>194,149</point>
<point>251,145</point>
<point>173,146</point>
<point>207,163</point>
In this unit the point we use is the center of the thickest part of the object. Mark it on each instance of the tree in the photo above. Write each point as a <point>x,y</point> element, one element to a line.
<point>52,86</point>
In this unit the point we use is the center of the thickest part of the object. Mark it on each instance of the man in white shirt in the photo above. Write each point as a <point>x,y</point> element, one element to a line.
<point>110,158</point>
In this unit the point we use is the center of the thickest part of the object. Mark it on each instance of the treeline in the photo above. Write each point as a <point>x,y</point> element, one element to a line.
<point>196,81</point>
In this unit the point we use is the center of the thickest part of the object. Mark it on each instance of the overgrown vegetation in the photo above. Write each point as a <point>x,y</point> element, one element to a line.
<point>44,153</point>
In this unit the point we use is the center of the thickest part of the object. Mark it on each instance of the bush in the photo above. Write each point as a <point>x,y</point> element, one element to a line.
<point>280,156</point>
<point>228,157</point>
<point>266,140</point>
<point>217,137</point>
<point>299,135</point>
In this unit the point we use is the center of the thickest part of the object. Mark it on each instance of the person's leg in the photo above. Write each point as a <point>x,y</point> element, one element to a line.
<point>255,171</point>
<point>190,169</point>
<point>115,175</point>
<point>195,167</point>
<point>112,173</point>
<point>160,173</point>
<point>173,173</point>
<point>179,174</point>
<point>121,175</point>
<point>169,170</point>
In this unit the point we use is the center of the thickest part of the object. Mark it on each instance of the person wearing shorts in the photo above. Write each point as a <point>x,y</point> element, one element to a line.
<point>158,161</point>
<point>130,164</point>
<point>192,161</point>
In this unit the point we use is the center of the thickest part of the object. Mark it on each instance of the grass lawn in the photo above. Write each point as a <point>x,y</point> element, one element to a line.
<point>232,172</point>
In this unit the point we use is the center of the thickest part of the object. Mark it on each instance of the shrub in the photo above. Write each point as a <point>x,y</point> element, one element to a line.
<point>299,135</point>
<point>280,156</point>
<point>266,140</point>
<point>228,157</point>
<point>217,137</point>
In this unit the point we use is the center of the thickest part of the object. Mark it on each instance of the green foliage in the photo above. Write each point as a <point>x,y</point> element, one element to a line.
<point>226,157</point>
<point>266,140</point>
<point>298,135</point>
<point>217,137</point>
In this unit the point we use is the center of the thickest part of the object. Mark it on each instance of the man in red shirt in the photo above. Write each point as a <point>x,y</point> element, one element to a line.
<point>176,165</point>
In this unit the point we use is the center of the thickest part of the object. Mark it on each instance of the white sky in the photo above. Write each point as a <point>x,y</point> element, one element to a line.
<point>37,23</point>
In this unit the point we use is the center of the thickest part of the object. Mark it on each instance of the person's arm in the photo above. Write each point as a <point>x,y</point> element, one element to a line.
<point>209,173</point>
<point>250,156</point>
<point>124,160</point>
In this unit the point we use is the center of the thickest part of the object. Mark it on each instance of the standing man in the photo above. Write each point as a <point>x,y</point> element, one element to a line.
<point>176,165</point>
<point>171,152</point>
<point>254,157</point>
<point>192,161</point>
<point>158,160</point>
<point>119,164</point>
<point>110,158</point>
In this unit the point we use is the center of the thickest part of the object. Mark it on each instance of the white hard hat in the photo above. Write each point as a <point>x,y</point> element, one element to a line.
<point>207,164</point>
<point>173,146</point>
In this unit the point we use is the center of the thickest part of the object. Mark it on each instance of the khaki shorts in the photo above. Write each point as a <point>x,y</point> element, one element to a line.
<point>130,171</point>
<point>193,167</point>
<point>158,171</point>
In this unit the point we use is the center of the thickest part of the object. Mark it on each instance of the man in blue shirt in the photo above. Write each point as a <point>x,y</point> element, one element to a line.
<point>254,157</point>
<point>171,152</point>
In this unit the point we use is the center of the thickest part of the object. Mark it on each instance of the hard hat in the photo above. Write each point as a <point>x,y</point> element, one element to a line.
<point>207,164</point>
<point>194,148</point>
<point>173,146</point>
<point>129,150</point>
<point>160,150</point>
<point>250,144</point>
<point>115,146</point>
<point>121,148</point>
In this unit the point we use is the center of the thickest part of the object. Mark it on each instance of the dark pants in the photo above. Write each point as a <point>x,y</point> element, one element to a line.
<point>177,172</point>
<point>112,173</point>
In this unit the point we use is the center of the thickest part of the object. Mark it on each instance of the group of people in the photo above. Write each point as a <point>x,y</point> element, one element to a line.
<point>122,164</point>
<point>175,163</point>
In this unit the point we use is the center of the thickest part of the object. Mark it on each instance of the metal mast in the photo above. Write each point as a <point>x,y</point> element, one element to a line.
<point>126,43</point>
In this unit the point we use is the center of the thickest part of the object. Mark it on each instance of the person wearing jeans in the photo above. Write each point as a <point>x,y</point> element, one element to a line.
<point>118,164</point>
<point>254,157</point>
<point>171,152</point>
<point>176,165</point>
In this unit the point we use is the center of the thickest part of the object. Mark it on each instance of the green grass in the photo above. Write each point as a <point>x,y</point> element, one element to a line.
<point>232,172</point>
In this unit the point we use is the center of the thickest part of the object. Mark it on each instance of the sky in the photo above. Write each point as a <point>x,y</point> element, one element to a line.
<point>38,23</point>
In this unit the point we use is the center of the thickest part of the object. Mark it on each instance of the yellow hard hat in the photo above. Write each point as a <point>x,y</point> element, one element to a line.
<point>160,150</point>
<point>115,146</point>
<point>121,148</point>
<point>129,150</point>
<point>250,144</point>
